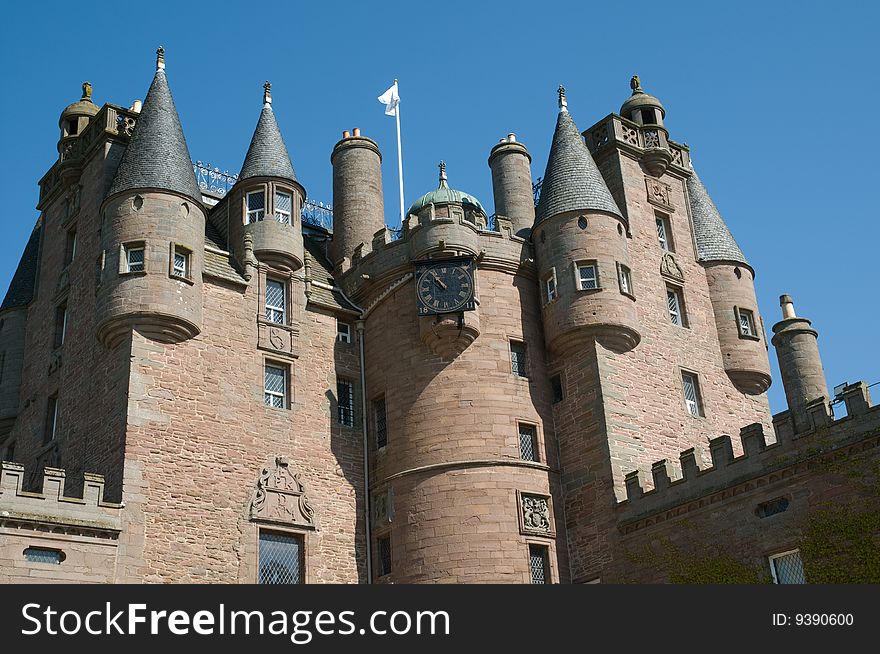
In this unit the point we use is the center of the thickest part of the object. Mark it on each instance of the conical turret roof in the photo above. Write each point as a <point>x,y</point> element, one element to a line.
<point>714,240</point>
<point>572,180</point>
<point>156,155</point>
<point>267,155</point>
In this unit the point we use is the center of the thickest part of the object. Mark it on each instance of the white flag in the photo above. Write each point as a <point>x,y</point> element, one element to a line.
<point>390,99</point>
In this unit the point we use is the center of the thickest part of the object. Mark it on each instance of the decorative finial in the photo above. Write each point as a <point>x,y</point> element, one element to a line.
<point>636,84</point>
<point>267,94</point>
<point>87,91</point>
<point>160,58</point>
<point>563,103</point>
<point>442,173</point>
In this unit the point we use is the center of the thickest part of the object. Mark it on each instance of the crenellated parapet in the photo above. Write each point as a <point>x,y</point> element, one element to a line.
<point>50,510</point>
<point>688,486</point>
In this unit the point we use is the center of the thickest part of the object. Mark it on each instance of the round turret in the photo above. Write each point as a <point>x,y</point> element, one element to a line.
<point>512,184</point>
<point>153,231</point>
<point>641,107</point>
<point>75,118</point>
<point>358,202</point>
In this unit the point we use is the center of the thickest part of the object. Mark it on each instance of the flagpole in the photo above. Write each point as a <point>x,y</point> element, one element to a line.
<point>399,156</point>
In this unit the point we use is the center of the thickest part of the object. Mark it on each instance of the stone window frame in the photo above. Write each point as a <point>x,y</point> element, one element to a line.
<point>625,272</point>
<point>296,532</point>
<point>284,310</point>
<point>536,441</point>
<point>562,390</point>
<point>275,211</point>
<point>511,340</point>
<point>753,322</point>
<point>771,558</point>
<point>374,416</point>
<point>173,250</point>
<point>287,396</point>
<point>124,250</point>
<point>549,572</point>
<point>351,408</point>
<point>538,536</point>
<point>545,286</point>
<point>246,200</point>
<point>678,291</point>
<point>344,337</point>
<point>700,398</point>
<point>664,220</point>
<point>583,263</point>
<point>50,429</point>
<point>287,278</point>
<point>269,190</point>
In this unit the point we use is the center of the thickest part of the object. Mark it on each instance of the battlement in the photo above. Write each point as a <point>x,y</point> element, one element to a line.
<point>51,510</point>
<point>678,489</point>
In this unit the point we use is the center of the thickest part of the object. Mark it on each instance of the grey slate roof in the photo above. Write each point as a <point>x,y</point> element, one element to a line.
<point>156,155</point>
<point>714,240</point>
<point>21,288</point>
<point>219,265</point>
<point>267,155</point>
<point>321,272</point>
<point>572,181</point>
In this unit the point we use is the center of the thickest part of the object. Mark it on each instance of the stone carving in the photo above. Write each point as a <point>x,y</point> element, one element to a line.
<point>280,497</point>
<point>670,268</point>
<point>277,338</point>
<point>658,193</point>
<point>600,137</point>
<point>536,513</point>
<point>630,135</point>
<point>652,139</point>
<point>676,156</point>
<point>383,508</point>
<point>125,124</point>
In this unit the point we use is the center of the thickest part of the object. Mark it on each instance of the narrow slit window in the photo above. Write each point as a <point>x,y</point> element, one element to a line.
<point>345,402</point>
<point>675,305</point>
<point>283,207</point>
<point>60,324</point>
<point>556,386</point>
<point>664,233</point>
<point>276,387</point>
<point>384,555</point>
<point>539,564</point>
<point>692,396</point>
<point>256,206</point>
<point>276,301</point>
<point>380,422</point>
<point>51,419</point>
<point>528,442</point>
<point>550,287</point>
<point>70,247</point>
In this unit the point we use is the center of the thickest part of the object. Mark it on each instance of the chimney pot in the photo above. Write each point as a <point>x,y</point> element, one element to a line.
<point>356,131</point>
<point>346,134</point>
<point>511,137</point>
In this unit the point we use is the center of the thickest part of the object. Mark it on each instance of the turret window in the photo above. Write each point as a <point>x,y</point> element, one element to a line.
<point>587,276</point>
<point>275,389</point>
<point>528,442</point>
<point>283,207</point>
<point>746,321</point>
<point>550,286</point>
<point>276,301</point>
<point>675,306</point>
<point>539,564</point>
<point>518,359</point>
<point>180,262</point>
<point>134,258</point>
<point>256,206</point>
<point>381,422</point>
<point>625,279</point>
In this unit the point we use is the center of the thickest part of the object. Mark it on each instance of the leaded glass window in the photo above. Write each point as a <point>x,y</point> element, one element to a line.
<point>539,564</point>
<point>747,323</point>
<point>675,306</point>
<point>587,278</point>
<point>787,568</point>
<point>283,207</point>
<point>345,401</point>
<point>256,206</point>
<point>692,394</point>
<point>518,359</point>
<point>281,558</point>
<point>381,422</point>
<point>134,258</point>
<point>384,555</point>
<point>528,443</point>
<point>275,301</point>
<point>276,387</point>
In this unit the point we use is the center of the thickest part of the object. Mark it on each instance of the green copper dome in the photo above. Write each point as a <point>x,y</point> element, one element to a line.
<point>445,195</point>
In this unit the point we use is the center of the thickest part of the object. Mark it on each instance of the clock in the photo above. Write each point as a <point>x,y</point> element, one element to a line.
<point>445,286</point>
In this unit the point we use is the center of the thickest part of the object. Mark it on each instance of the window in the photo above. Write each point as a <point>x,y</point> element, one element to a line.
<point>625,279</point>
<point>692,396</point>
<point>550,286</point>
<point>746,321</point>
<point>51,419</point>
<point>528,443</point>
<point>647,116</point>
<point>664,233</point>
<point>675,305</point>
<point>276,387</point>
<point>134,258</point>
<point>180,262</point>
<point>283,206</point>
<point>60,324</point>
<point>256,206</point>
<point>70,247</point>
<point>539,564</point>
<point>587,277</point>
<point>276,301</point>
<point>343,332</point>
<point>345,402</point>
<point>384,552</point>
<point>380,422</point>
<point>518,359</point>
<point>281,558</point>
<point>72,126</point>
<point>43,555</point>
<point>787,568</point>
<point>556,388</point>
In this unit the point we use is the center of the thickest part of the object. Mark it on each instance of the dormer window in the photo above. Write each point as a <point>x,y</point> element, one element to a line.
<point>283,206</point>
<point>256,206</point>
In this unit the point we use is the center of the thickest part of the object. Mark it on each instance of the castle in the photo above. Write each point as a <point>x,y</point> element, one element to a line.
<point>213,387</point>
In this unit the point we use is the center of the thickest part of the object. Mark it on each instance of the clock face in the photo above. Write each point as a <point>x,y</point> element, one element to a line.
<point>445,286</point>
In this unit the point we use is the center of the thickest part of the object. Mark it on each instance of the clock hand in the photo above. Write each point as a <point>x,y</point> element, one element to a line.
<point>438,280</point>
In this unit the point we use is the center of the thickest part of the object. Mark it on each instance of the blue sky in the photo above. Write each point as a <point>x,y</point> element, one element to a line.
<point>777,101</point>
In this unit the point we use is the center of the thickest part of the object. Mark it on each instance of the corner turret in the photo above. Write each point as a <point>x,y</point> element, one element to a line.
<point>509,161</point>
<point>153,231</point>
<point>75,118</point>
